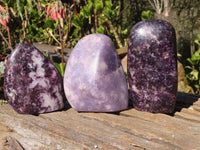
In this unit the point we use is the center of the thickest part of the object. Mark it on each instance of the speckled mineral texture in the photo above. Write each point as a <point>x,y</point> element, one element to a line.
<point>94,80</point>
<point>152,66</point>
<point>32,84</point>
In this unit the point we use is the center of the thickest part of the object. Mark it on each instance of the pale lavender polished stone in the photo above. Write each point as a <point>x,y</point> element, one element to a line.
<point>152,66</point>
<point>94,80</point>
<point>32,84</point>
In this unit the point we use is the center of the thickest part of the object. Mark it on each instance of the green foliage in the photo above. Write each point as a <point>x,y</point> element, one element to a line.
<point>109,10</point>
<point>29,21</point>
<point>61,68</point>
<point>78,22</point>
<point>197,41</point>
<point>3,102</point>
<point>2,67</point>
<point>126,75</point>
<point>49,24</point>
<point>26,20</point>
<point>146,15</point>
<point>100,30</point>
<point>194,74</point>
<point>98,16</point>
<point>99,5</point>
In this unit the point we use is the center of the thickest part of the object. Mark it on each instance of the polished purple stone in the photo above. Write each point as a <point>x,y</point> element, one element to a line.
<point>152,66</point>
<point>32,84</point>
<point>94,80</point>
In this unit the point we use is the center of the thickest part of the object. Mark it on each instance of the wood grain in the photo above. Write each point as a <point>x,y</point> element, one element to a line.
<point>126,130</point>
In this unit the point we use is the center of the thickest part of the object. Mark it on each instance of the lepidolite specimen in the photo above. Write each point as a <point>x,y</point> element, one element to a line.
<point>94,80</point>
<point>152,66</point>
<point>32,84</point>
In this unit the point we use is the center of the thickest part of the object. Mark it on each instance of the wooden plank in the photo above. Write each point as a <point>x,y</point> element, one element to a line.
<point>171,129</point>
<point>11,143</point>
<point>130,129</point>
<point>189,114</point>
<point>122,51</point>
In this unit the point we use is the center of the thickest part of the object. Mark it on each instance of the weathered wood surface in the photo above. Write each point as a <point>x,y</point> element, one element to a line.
<point>54,52</point>
<point>128,130</point>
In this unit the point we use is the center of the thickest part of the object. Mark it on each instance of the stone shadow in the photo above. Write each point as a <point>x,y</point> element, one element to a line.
<point>185,100</point>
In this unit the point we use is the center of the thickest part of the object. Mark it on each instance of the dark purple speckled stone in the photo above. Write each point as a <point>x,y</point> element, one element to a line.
<point>94,80</point>
<point>32,84</point>
<point>152,66</point>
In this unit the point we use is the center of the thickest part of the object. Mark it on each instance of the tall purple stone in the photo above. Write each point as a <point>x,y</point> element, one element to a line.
<point>152,66</point>
<point>94,80</point>
<point>32,84</point>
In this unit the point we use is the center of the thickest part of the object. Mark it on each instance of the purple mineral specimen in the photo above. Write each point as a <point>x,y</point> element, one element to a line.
<point>94,80</point>
<point>32,84</point>
<point>152,66</point>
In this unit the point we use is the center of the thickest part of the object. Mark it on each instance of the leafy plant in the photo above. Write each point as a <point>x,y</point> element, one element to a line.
<point>2,71</point>
<point>61,68</point>
<point>197,41</point>
<point>4,19</point>
<point>146,15</point>
<point>2,68</point>
<point>24,21</point>
<point>3,102</point>
<point>98,16</point>
<point>194,74</point>
<point>55,11</point>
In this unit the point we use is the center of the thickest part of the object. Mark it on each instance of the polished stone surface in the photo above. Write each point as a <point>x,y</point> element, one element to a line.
<point>94,80</point>
<point>152,66</point>
<point>32,84</point>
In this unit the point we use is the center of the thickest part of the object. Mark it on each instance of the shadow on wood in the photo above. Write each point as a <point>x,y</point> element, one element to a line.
<point>185,100</point>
